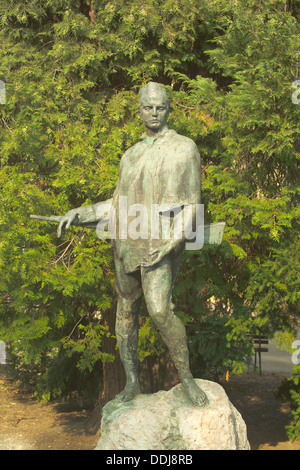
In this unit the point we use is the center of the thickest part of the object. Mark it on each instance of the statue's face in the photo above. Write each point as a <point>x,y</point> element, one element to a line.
<point>154,112</point>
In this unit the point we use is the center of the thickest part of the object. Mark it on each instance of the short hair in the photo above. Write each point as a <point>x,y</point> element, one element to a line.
<point>153,88</point>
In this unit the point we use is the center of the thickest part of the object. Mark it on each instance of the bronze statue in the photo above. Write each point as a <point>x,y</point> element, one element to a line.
<point>161,169</point>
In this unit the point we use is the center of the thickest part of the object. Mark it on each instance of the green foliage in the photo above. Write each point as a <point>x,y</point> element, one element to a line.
<point>150,343</point>
<point>290,391</point>
<point>293,429</point>
<point>72,70</point>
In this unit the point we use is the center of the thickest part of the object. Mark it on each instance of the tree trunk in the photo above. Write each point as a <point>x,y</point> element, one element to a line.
<point>157,373</point>
<point>113,372</point>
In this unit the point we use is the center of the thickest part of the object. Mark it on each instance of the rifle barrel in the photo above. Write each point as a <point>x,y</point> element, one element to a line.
<point>51,218</point>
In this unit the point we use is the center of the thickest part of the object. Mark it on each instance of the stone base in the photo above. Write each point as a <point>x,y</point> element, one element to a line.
<point>169,421</point>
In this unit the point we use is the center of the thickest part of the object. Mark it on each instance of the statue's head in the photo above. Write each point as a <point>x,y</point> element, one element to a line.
<point>154,107</point>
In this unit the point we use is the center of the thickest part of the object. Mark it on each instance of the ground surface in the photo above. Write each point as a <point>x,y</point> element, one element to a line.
<point>266,417</point>
<point>26,424</point>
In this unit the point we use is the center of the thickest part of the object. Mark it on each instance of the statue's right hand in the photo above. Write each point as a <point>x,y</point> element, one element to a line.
<point>66,221</point>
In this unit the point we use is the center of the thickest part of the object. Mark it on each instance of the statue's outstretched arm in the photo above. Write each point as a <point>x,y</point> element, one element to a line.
<point>84,216</point>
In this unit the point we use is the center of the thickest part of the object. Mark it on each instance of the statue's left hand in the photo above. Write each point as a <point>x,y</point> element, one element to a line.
<point>157,255</point>
<point>66,221</point>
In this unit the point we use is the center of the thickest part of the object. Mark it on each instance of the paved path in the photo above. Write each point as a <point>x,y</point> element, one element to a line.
<point>277,361</point>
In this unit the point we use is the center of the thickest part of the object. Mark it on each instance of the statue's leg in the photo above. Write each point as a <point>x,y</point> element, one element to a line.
<point>129,291</point>
<point>157,284</point>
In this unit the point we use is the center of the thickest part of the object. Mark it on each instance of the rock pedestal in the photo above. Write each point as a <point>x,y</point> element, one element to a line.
<point>169,421</point>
